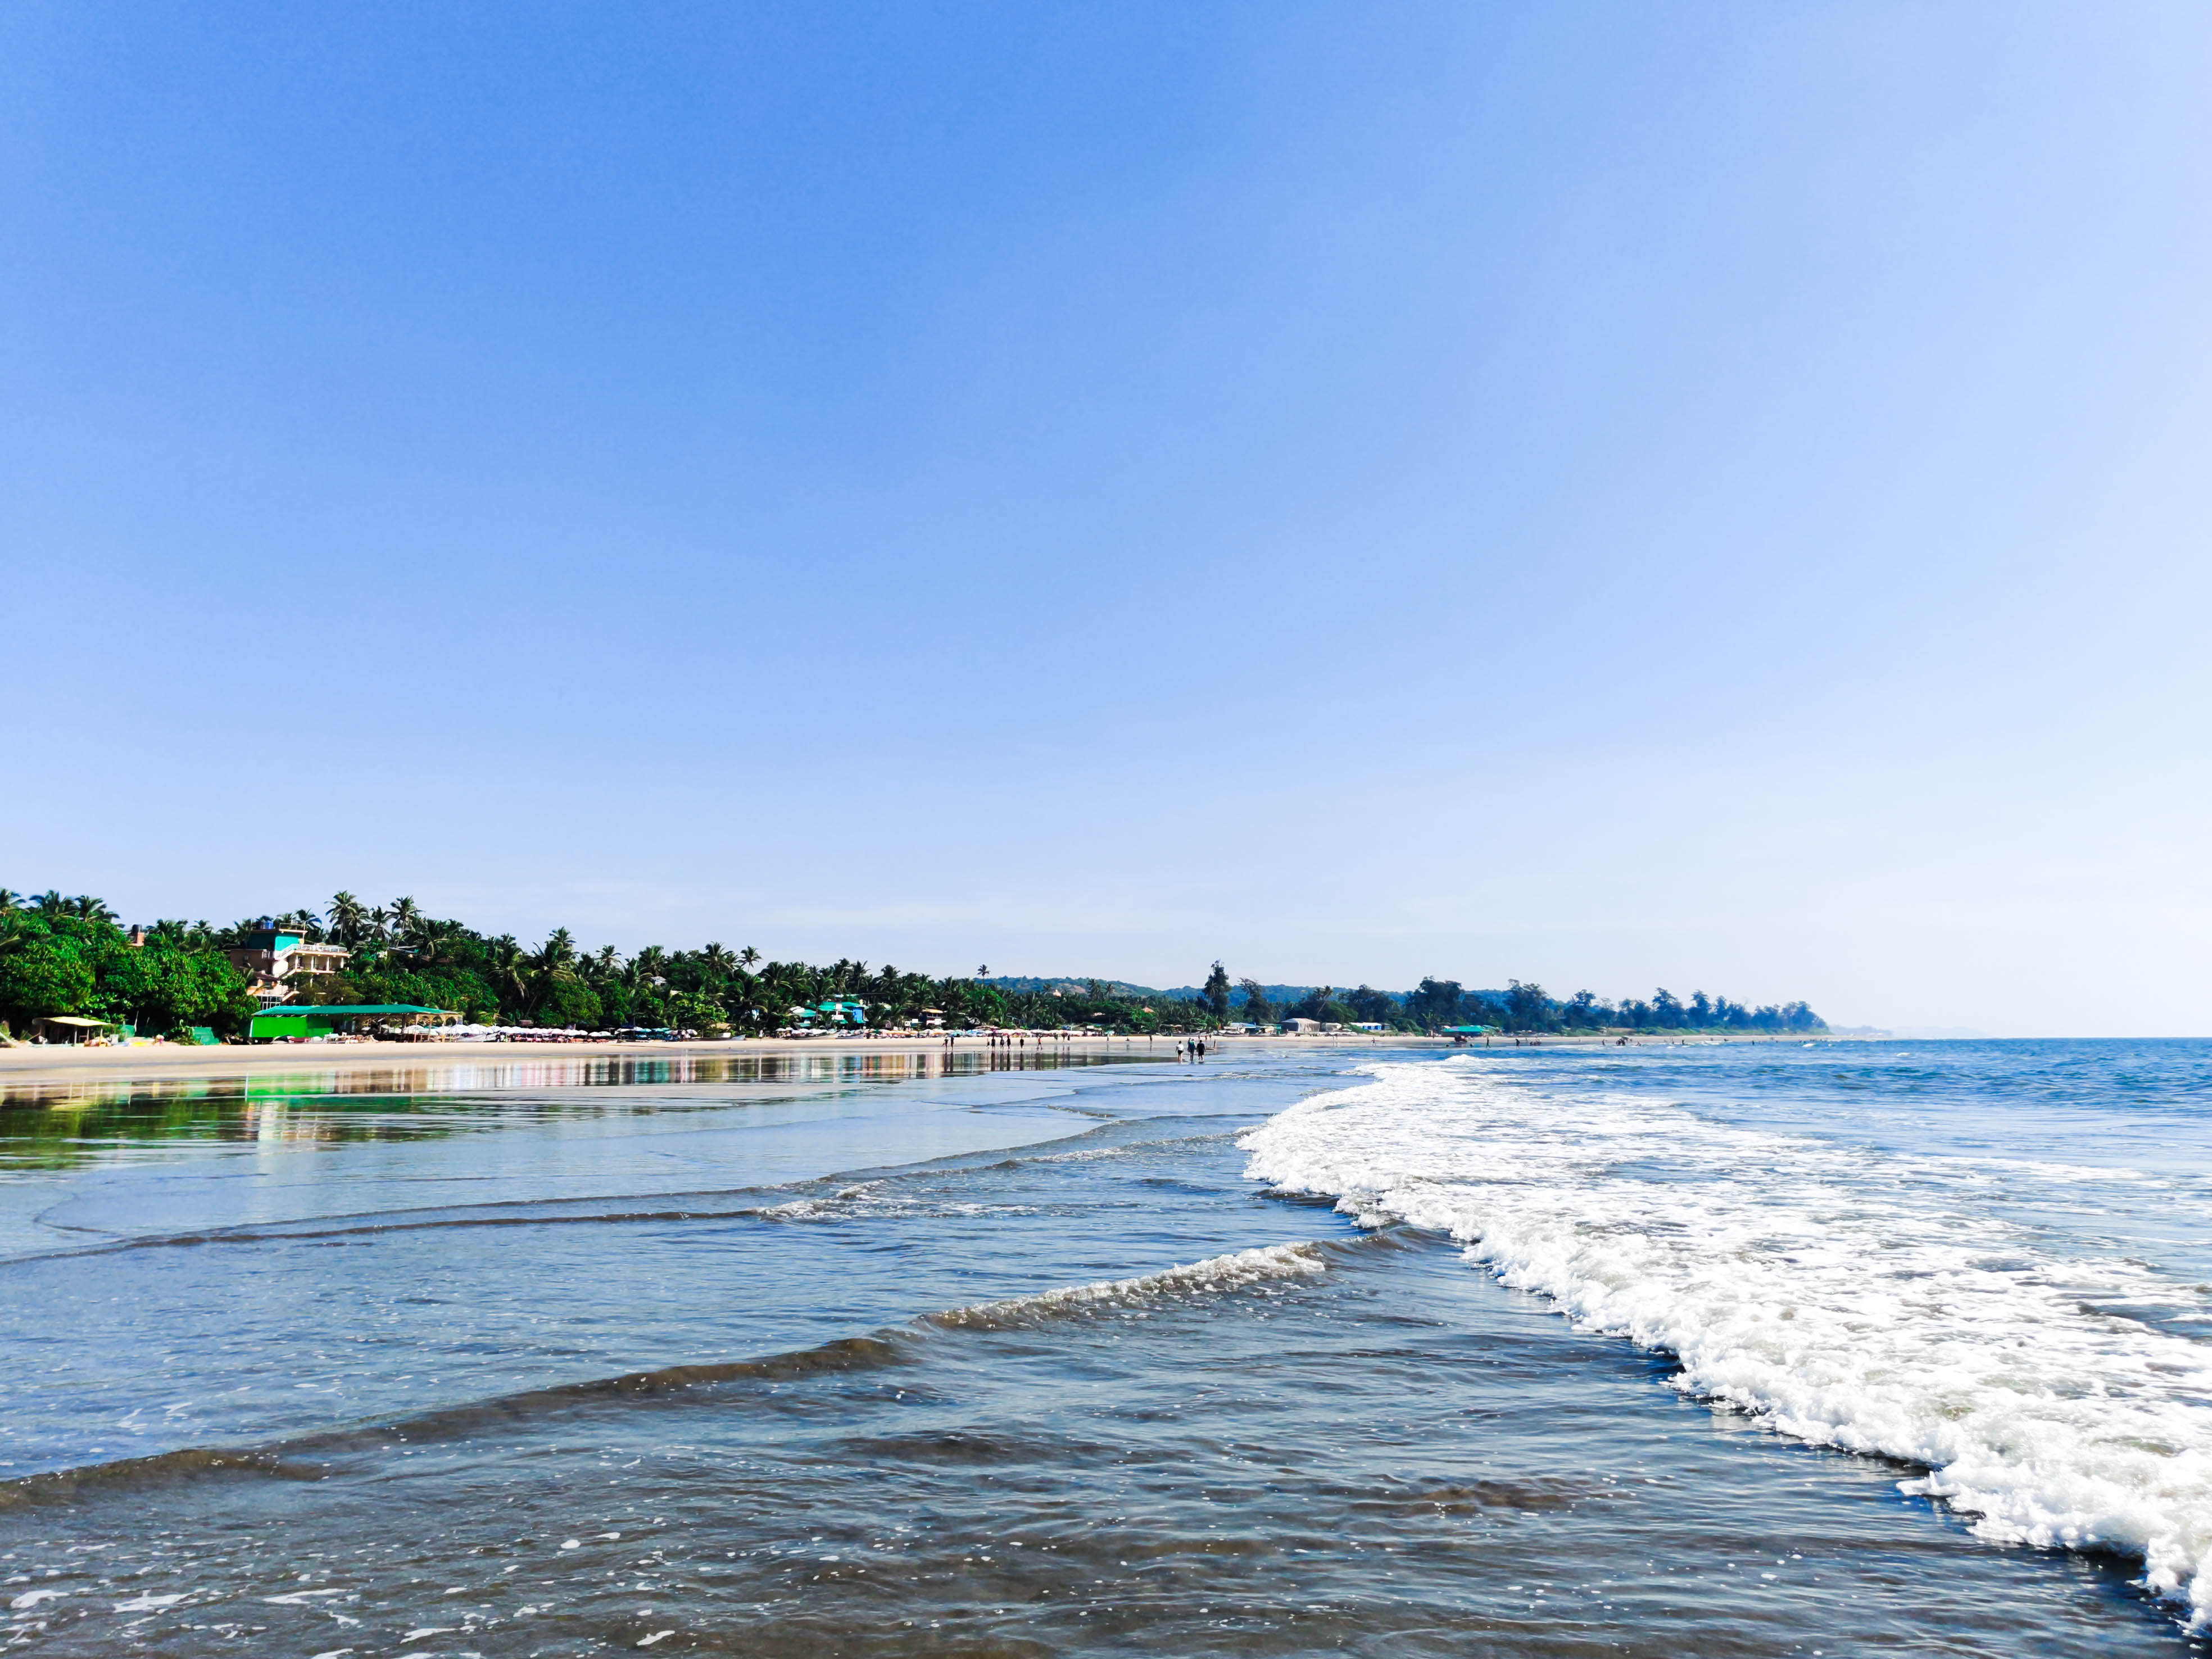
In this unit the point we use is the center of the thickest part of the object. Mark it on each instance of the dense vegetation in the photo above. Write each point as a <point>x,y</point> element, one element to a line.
<point>61,956</point>
<point>1440,1002</point>
<point>69,956</point>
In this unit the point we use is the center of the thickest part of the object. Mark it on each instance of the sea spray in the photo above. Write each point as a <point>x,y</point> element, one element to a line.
<point>1874,1301</point>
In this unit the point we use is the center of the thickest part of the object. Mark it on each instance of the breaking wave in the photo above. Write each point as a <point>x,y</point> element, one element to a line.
<point>1207,1278</point>
<point>1872,1301</point>
<point>296,1458</point>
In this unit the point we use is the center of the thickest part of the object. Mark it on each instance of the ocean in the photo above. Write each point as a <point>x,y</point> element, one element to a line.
<point>1848,1348</point>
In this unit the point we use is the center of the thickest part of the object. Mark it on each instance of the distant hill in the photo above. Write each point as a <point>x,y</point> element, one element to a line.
<point>1026,983</point>
<point>1275,994</point>
<point>1279,994</point>
<point>1436,1004</point>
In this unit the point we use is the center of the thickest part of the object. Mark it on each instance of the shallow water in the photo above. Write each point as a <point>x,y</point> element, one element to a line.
<point>1047,1361</point>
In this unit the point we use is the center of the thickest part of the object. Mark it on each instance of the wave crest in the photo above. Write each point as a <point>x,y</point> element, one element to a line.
<point>1210,1276</point>
<point>1870,1301</point>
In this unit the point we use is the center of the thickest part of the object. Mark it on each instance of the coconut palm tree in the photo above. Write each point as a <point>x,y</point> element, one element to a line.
<point>404,914</point>
<point>509,967</point>
<point>425,939</point>
<point>85,908</point>
<point>348,919</point>
<point>747,956</point>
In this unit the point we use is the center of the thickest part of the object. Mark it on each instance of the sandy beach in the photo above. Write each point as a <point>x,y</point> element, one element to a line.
<point>59,1062</point>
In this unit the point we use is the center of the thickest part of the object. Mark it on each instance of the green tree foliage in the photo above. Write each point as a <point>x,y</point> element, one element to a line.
<point>348,920</point>
<point>1527,1007</point>
<point>41,974</point>
<point>1665,1012</point>
<point>1437,1003</point>
<point>1323,1004</point>
<point>158,988</point>
<point>1371,1006</point>
<point>1257,1008</point>
<point>69,956</point>
<point>1216,994</point>
<point>66,955</point>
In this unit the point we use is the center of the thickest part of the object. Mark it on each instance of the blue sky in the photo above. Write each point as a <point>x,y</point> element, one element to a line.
<point>1709,496</point>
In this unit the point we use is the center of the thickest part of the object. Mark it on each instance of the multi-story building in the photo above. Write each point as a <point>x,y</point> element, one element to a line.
<point>277,961</point>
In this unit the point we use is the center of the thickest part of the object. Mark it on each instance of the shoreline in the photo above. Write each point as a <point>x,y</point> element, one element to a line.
<point>62,1062</point>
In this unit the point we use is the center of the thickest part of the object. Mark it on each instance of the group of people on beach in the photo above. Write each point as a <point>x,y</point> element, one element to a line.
<point>1011,1039</point>
<point>1191,1050</point>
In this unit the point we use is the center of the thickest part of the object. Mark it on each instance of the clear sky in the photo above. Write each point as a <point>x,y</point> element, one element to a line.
<point>1614,495</point>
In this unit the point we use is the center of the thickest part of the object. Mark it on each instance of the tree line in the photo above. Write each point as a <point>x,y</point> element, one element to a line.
<point>1440,1004</point>
<point>71,956</point>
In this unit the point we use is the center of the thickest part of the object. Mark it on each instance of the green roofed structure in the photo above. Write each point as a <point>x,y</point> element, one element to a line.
<point>300,1020</point>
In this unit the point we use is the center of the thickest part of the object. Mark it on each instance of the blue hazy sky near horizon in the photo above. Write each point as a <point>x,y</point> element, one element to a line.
<point>1712,497</point>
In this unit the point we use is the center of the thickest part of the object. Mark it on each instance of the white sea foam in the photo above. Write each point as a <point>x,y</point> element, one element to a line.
<point>1210,1276</point>
<point>1871,1301</point>
<point>868,1200</point>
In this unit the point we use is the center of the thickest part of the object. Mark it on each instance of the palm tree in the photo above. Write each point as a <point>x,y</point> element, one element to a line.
<point>558,951</point>
<point>379,924</point>
<point>747,956</point>
<point>648,966</point>
<point>405,914</point>
<point>51,903</point>
<point>425,938</point>
<point>12,900</point>
<point>552,959</point>
<point>509,967</point>
<point>85,908</point>
<point>348,919</point>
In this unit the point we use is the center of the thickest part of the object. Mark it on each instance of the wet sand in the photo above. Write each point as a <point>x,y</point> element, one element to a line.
<point>59,1062</point>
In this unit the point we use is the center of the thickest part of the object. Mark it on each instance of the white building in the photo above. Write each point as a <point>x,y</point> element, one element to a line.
<point>275,961</point>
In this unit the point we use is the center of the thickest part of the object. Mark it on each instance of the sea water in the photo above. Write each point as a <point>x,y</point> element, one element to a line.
<point>1854,1348</point>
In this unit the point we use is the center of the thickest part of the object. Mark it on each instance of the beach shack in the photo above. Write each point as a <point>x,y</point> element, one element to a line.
<point>345,1019</point>
<point>73,1027</point>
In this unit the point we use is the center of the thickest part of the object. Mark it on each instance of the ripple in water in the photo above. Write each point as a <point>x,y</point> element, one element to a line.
<point>1098,1394</point>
